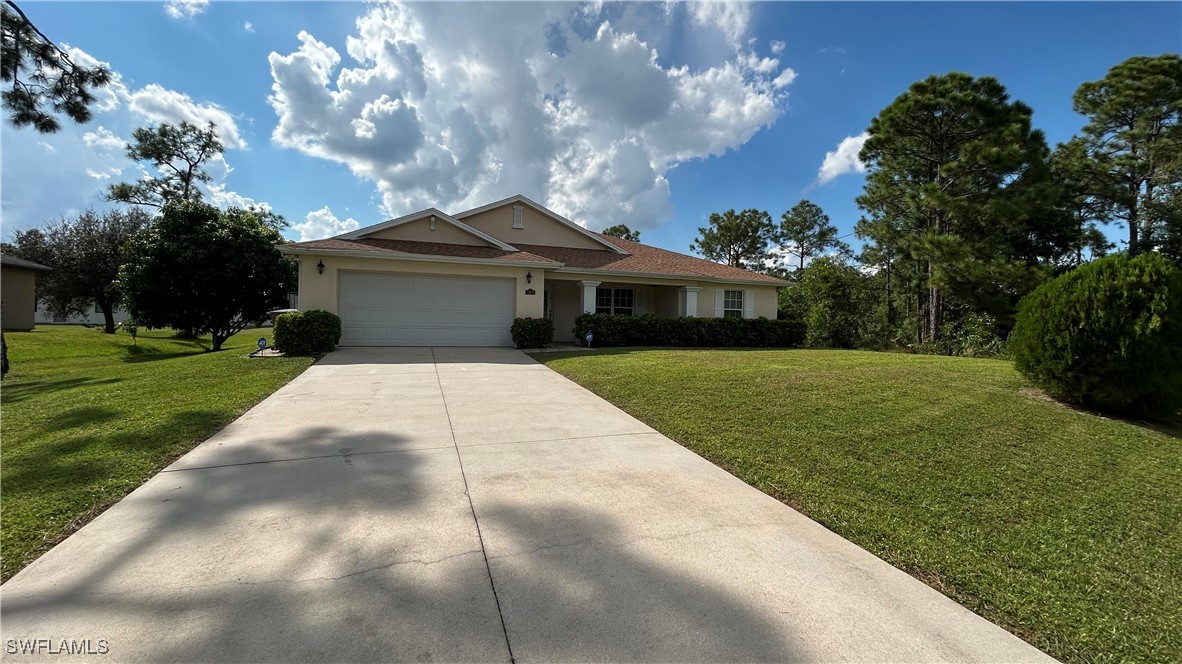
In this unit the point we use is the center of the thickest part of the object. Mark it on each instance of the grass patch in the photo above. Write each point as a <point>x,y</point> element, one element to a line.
<point>1063,526</point>
<point>87,417</point>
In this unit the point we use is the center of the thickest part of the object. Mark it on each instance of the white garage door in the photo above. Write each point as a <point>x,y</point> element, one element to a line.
<point>410,310</point>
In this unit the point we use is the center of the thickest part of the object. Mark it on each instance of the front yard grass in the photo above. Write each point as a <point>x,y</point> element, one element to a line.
<point>87,417</point>
<point>1063,526</point>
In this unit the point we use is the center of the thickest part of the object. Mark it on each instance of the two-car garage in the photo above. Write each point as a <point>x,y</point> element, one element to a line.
<point>423,310</point>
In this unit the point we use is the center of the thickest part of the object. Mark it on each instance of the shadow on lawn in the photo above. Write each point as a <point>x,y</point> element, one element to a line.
<point>176,348</point>
<point>19,391</point>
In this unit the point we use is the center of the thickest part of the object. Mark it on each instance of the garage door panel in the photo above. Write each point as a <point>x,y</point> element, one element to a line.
<point>419,310</point>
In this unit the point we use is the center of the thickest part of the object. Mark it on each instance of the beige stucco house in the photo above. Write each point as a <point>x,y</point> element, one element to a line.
<point>431,278</point>
<point>18,292</point>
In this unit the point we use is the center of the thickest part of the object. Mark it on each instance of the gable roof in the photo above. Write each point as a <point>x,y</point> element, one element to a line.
<point>414,249</point>
<point>641,259</point>
<point>595,237</point>
<point>13,261</point>
<point>429,212</point>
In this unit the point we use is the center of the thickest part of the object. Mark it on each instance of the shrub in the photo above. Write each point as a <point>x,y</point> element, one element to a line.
<point>650,330</point>
<point>532,332</point>
<point>307,332</point>
<point>1106,335</point>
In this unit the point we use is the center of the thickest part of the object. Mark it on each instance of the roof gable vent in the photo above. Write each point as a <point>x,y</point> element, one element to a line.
<point>518,216</point>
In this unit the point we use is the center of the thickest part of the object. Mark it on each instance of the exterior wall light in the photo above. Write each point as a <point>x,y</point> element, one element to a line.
<point>320,266</point>
<point>529,277</point>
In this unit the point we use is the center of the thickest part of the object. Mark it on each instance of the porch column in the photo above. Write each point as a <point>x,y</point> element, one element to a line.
<point>687,301</point>
<point>589,295</point>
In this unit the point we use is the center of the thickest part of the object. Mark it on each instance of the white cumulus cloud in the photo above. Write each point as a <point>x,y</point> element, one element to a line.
<point>322,223</point>
<point>571,105</point>
<point>103,139</point>
<point>185,8</point>
<point>248,26</point>
<point>843,160</point>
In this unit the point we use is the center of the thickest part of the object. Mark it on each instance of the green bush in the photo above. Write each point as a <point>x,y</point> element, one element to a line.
<point>307,332</point>
<point>1106,335</point>
<point>649,330</point>
<point>532,332</point>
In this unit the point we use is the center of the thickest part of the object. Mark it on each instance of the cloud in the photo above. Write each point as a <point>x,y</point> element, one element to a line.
<point>179,9</point>
<point>322,223</point>
<point>777,47</point>
<point>157,104</point>
<point>46,184</point>
<point>102,139</point>
<point>573,106</point>
<point>843,160</point>
<point>248,26</point>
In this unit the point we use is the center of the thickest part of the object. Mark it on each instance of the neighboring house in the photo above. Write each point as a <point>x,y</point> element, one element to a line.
<point>18,292</point>
<point>93,316</point>
<point>431,278</point>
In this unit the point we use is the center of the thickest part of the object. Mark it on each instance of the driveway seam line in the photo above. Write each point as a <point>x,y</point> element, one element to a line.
<point>308,458</point>
<point>479,535</point>
<point>559,440</point>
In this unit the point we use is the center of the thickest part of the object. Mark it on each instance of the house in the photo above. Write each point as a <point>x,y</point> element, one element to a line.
<point>18,292</point>
<point>92,316</point>
<point>431,278</point>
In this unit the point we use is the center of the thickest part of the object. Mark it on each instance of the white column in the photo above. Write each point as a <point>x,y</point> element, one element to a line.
<point>589,295</point>
<point>688,304</point>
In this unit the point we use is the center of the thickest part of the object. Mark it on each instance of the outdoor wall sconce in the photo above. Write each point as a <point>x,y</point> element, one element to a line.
<point>529,277</point>
<point>320,266</point>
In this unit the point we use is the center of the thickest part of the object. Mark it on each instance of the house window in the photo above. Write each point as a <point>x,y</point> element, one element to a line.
<point>615,301</point>
<point>732,304</point>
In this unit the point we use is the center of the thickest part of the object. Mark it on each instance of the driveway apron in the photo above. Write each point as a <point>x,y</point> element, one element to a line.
<point>467,504</point>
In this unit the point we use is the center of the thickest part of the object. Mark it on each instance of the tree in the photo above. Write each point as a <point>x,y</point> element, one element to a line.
<point>623,232</point>
<point>1134,134</point>
<point>46,82</point>
<point>739,239</point>
<point>1084,192</point>
<point>833,300</point>
<point>805,232</point>
<point>178,153</point>
<point>85,255</point>
<point>958,186</point>
<point>196,267</point>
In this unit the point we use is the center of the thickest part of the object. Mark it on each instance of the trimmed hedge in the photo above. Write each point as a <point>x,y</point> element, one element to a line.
<point>650,330</point>
<point>532,332</point>
<point>1106,335</point>
<point>307,332</point>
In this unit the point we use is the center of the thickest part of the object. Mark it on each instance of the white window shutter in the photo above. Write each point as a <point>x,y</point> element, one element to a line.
<point>718,295</point>
<point>638,301</point>
<point>748,304</point>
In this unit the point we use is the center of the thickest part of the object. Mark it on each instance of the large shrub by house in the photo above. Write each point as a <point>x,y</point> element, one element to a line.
<point>1106,335</point>
<point>532,332</point>
<point>307,332</point>
<point>650,330</point>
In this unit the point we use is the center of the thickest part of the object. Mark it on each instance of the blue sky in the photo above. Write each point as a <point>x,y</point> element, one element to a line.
<point>652,115</point>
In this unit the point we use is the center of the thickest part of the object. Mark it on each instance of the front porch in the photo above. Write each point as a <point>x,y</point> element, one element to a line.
<point>567,299</point>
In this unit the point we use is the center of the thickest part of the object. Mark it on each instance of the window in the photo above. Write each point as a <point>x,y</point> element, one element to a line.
<point>732,304</point>
<point>614,301</point>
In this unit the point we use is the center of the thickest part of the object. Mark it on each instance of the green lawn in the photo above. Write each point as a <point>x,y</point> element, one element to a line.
<point>1063,526</point>
<point>87,417</point>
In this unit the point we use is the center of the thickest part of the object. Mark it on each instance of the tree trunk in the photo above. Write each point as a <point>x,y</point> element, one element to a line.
<point>3,355</point>
<point>218,340</point>
<point>108,317</point>
<point>935,307</point>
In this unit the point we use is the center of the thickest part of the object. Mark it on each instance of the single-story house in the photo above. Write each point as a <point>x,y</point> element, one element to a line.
<point>432,278</point>
<point>18,292</point>
<point>92,316</point>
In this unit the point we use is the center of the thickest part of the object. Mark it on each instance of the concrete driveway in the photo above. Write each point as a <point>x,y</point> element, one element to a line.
<point>468,505</point>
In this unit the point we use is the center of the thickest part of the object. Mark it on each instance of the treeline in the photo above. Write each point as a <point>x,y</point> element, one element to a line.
<point>966,209</point>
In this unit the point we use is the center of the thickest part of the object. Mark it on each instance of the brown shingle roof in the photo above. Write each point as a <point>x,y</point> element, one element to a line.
<point>415,247</point>
<point>641,257</point>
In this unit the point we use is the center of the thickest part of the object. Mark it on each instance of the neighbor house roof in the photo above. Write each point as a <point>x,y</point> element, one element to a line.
<point>639,259</point>
<point>13,261</point>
